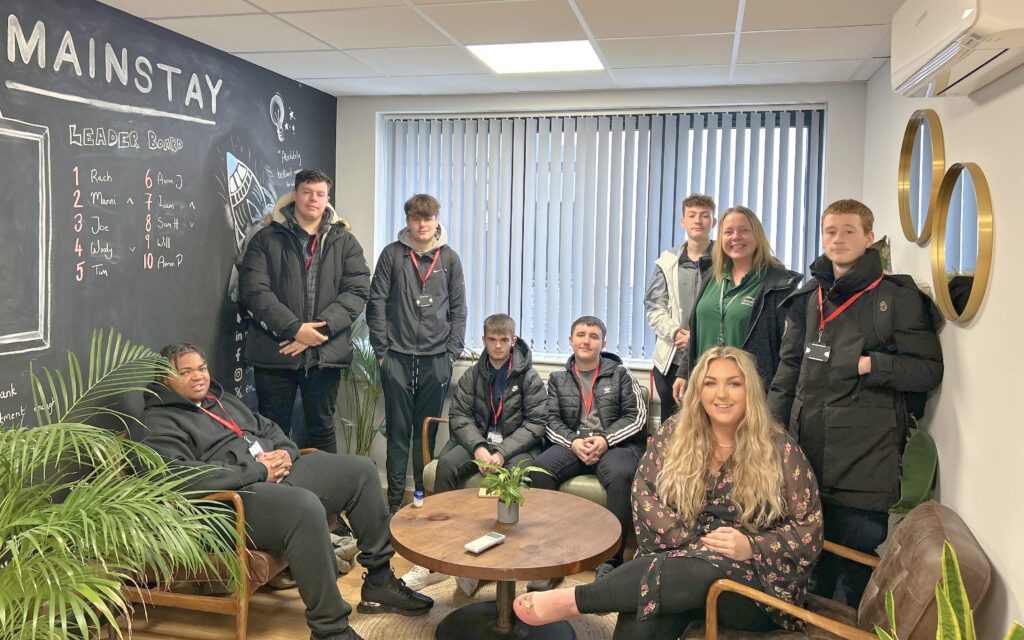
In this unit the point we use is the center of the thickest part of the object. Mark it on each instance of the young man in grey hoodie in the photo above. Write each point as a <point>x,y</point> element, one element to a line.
<point>417,320</point>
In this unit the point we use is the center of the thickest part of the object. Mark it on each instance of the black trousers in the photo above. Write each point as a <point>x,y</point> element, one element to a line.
<point>275,389</point>
<point>291,517</point>
<point>615,471</point>
<point>838,578</point>
<point>684,589</point>
<point>663,384</point>
<point>456,464</point>
<point>414,389</point>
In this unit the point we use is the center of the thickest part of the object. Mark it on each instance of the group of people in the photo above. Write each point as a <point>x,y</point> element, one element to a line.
<point>769,391</point>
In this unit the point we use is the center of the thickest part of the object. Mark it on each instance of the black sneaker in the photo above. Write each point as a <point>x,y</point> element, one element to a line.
<point>348,634</point>
<point>392,597</point>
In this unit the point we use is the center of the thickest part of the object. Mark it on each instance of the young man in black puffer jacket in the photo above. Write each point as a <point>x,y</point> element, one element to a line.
<point>498,412</point>
<point>597,422</point>
<point>304,281</point>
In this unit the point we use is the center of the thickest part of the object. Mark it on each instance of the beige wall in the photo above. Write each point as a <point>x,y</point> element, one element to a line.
<point>357,129</point>
<point>975,417</point>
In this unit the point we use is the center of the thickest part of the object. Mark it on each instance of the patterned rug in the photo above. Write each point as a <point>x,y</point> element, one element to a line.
<point>447,598</point>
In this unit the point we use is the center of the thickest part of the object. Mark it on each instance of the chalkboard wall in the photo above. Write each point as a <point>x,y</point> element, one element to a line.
<point>133,163</point>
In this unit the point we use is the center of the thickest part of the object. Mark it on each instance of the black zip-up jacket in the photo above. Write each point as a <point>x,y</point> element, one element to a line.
<point>852,427</point>
<point>618,401</point>
<point>392,315</point>
<point>524,406</point>
<point>187,437</point>
<point>279,294</point>
<point>765,328</point>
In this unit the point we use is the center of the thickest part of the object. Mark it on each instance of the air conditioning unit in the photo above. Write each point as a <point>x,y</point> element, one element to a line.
<point>953,47</point>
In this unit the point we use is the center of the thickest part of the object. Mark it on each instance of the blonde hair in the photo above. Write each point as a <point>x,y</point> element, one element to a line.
<point>763,255</point>
<point>755,465</point>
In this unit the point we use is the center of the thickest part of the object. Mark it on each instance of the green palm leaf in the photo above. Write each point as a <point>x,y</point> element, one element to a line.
<point>83,512</point>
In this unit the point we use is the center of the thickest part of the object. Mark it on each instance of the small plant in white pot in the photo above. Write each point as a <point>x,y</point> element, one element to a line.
<point>507,485</point>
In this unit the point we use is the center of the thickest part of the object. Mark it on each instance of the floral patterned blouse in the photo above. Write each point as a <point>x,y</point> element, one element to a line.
<point>785,552</point>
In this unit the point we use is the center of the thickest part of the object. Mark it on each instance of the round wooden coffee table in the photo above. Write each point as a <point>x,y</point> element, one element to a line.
<point>557,535</point>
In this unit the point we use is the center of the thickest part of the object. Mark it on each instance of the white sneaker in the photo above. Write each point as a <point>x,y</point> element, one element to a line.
<point>468,585</point>
<point>420,577</point>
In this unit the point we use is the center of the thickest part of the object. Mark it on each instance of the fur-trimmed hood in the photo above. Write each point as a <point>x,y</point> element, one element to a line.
<point>284,213</point>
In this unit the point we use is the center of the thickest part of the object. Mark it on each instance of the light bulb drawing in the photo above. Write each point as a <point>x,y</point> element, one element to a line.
<point>277,115</point>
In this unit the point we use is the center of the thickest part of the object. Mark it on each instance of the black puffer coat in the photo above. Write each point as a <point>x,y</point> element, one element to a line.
<point>618,401</point>
<point>523,407</point>
<point>272,288</point>
<point>766,326</point>
<point>852,427</point>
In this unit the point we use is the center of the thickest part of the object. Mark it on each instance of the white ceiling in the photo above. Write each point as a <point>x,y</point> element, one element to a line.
<point>410,47</point>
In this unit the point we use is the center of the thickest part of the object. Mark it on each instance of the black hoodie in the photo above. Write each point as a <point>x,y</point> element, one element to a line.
<point>618,400</point>
<point>185,436</point>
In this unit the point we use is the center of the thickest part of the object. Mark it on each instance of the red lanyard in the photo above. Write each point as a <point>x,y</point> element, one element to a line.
<point>501,400</point>
<point>587,403</point>
<point>229,423</point>
<point>832,316</point>
<point>312,250</point>
<point>416,265</point>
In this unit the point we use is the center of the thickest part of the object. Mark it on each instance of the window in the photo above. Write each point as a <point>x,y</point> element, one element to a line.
<point>557,216</point>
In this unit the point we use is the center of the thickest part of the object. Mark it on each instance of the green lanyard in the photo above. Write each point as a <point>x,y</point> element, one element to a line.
<point>721,299</point>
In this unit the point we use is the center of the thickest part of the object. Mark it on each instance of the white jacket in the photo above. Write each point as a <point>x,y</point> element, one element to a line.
<point>669,302</point>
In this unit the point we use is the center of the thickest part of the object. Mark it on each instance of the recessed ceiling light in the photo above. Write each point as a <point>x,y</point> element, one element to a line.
<point>538,57</point>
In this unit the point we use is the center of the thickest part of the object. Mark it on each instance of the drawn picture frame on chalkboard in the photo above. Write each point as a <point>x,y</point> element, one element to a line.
<point>25,244</point>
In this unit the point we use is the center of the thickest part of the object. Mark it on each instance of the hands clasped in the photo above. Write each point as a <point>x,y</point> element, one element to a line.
<point>589,450</point>
<point>278,463</point>
<point>307,336</point>
<point>485,456</point>
<point>728,542</point>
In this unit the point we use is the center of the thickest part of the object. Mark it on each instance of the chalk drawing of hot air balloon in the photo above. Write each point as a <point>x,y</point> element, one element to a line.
<point>248,199</point>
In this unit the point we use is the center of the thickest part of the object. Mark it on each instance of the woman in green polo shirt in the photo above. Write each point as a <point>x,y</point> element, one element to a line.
<point>739,301</point>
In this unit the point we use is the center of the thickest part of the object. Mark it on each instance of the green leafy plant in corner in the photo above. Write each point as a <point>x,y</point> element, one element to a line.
<point>362,390</point>
<point>956,620</point>
<point>84,512</point>
<point>507,484</point>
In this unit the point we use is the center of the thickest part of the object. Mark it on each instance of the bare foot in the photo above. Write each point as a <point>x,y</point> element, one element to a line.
<point>541,607</point>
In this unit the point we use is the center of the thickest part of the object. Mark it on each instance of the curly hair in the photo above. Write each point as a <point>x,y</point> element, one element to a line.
<point>755,465</point>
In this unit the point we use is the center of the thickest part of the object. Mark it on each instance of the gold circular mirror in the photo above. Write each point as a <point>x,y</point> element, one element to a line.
<point>962,248</point>
<point>922,161</point>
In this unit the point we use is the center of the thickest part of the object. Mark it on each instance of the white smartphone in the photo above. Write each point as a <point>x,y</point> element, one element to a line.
<point>483,543</point>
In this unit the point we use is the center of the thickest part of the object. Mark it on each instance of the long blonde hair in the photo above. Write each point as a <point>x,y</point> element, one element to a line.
<point>755,465</point>
<point>763,255</point>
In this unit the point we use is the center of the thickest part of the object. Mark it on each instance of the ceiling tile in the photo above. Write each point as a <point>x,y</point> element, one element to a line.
<point>369,28</point>
<point>179,8</point>
<point>237,34</point>
<point>505,22</point>
<point>412,61</point>
<point>795,72</point>
<point>311,64</point>
<point>839,43</point>
<point>702,76</point>
<point>622,19</point>
<point>467,84</point>
<point>761,15</point>
<point>323,5</point>
<point>667,51</point>
<point>360,86</point>
<point>569,81</point>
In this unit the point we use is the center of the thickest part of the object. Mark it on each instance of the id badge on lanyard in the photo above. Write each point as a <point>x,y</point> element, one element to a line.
<point>424,299</point>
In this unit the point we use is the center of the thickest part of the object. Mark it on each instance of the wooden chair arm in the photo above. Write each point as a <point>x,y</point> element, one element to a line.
<point>711,612</point>
<point>241,553</point>
<point>427,453</point>
<point>852,554</point>
<point>303,452</point>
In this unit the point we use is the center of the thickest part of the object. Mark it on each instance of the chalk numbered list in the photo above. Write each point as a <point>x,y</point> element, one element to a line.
<point>132,208</point>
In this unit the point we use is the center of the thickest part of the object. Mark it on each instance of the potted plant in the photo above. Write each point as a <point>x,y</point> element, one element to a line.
<point>83,511</point>
<point>956,619</point>
<point>507,485</point>
<point>364,388</point>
